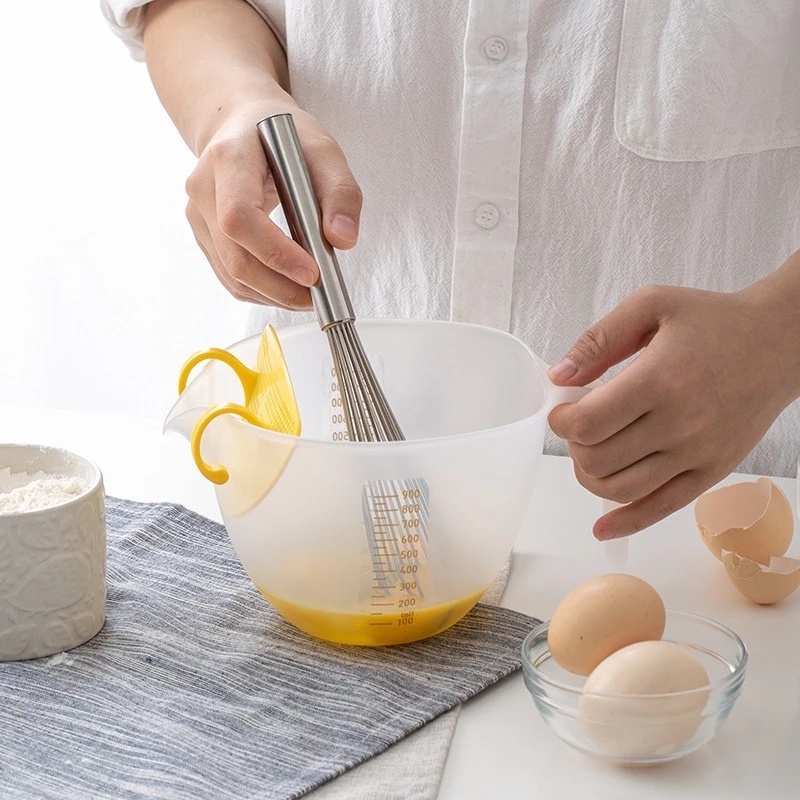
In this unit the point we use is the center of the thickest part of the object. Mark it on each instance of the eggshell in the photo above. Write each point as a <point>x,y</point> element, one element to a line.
<point>763,584</point>
<point>602,615</point>
<point>629,708</point>
<point>753,519</point>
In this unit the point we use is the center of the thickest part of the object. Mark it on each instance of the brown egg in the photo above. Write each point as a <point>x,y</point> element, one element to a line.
<point>601,616</point>
<point>763,584</point>
<point>752,519</point>
<point>644,700</point>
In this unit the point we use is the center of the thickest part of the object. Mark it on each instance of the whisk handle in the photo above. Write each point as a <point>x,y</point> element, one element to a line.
<point>304,217</point>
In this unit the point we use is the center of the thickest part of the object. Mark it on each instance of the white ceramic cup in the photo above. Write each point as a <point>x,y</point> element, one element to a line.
<point>52,561</point>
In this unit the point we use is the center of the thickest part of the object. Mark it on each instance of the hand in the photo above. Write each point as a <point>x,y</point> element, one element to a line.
<point>231,195</point>
<point>711,377</point>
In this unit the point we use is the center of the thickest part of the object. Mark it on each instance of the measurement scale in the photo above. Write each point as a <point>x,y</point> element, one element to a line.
<point>395,513</point>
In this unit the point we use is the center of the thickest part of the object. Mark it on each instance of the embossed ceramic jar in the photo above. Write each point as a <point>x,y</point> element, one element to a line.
<point>52,560</point>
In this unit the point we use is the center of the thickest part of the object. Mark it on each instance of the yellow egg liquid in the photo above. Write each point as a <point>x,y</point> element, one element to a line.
<point>374,628</point>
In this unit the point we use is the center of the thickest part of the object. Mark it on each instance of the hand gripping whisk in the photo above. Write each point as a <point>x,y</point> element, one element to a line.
<point>366,411</point>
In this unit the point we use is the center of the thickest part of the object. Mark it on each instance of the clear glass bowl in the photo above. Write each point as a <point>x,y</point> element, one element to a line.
<point>640,729</point>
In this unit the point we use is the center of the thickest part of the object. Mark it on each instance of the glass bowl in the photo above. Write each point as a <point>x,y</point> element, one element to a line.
<point>640,729</point>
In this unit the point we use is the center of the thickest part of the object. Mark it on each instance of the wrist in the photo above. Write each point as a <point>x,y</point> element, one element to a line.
<point>249,104</point>
<point>776,300</point>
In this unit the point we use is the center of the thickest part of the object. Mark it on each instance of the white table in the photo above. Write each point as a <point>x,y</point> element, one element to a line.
<point>501,748</point>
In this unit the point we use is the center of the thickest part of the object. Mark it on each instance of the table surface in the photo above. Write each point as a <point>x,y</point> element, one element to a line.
<point>501,748</point>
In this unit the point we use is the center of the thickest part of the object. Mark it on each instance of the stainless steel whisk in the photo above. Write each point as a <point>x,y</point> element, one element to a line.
<point>391,508</point>
<point>366,411</point>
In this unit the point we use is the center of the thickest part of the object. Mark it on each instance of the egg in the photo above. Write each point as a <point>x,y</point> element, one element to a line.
<point>763,584</point>
<point>601,616</point>
<point>753,519</point>
<point>629,709</point>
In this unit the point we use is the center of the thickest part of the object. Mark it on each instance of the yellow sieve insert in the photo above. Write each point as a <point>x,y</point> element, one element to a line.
<point>269,399</point>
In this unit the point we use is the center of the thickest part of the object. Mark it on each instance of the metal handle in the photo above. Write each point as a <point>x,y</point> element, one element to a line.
<point>288,167</point>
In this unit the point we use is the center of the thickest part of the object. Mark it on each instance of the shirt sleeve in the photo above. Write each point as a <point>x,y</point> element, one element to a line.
<point>126,20</point>
<point>273,12</point>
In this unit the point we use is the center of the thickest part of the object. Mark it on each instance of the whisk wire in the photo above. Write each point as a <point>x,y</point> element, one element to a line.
<point>367,413</point>
<point>386,426</point>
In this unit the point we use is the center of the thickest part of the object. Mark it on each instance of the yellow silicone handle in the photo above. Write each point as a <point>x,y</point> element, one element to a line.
<point>217,473</point>
<point>246,375</point>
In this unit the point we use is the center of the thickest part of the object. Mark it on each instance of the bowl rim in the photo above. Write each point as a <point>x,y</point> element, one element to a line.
<point>95,483</point>
<point>404,446</point>
<point>735,676</point>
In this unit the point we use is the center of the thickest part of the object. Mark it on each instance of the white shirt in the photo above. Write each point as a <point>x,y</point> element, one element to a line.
<point>527,164</point>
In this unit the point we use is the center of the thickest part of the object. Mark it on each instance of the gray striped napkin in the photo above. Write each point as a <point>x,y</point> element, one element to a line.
<point>196,688</point>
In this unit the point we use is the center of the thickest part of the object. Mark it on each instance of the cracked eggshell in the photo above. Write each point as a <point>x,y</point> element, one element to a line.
<point>753,519</point>
<point>763,584</point>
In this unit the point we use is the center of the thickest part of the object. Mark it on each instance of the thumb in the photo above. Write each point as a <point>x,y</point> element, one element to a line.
<point>338,191</point>
<point>618,335</point>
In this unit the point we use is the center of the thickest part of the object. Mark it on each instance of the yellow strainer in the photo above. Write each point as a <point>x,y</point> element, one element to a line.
<point>269,402</point>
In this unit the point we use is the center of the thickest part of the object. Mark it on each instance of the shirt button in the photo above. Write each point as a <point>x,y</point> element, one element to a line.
<point>487,216</point>
<point>495,48</point>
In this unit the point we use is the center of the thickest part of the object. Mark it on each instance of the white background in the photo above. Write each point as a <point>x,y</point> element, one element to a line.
<point>103,291</point>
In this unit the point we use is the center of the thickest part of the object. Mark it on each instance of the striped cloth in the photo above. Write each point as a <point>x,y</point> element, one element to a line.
<point>196,688</point>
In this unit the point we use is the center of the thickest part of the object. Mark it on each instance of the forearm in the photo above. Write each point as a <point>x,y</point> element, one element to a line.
<point>208,57</point>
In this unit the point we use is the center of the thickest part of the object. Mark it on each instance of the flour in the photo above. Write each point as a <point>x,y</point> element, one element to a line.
<point>20,491</point>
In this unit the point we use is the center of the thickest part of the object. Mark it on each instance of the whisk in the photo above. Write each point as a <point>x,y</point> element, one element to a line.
<point>366,411</point>
<point>390,507</point>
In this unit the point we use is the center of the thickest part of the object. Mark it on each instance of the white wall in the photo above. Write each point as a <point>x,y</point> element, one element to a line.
<point>103,291</point>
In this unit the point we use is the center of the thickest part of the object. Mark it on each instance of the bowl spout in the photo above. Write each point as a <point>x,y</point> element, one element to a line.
<point>182,422</point>
<point>211,385</point>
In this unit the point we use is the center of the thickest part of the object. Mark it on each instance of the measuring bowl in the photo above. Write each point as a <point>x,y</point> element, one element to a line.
<point>332,532</point>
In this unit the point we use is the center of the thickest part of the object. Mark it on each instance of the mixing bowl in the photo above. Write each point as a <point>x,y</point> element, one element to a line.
<point>641,729</point>
<point>312,517</point>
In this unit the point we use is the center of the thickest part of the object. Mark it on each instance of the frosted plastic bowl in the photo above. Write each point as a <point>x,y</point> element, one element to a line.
<point>557,694</point>
<point>302,511</point>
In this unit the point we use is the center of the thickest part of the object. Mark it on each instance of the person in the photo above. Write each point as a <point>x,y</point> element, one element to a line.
<point>617,184</point>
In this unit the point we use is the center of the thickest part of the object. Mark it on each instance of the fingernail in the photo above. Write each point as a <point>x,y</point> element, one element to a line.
<point>305,277</point>
<point>344,227</point>
<point>563,370</point>
<point>609,536</point>
<point>604,536</point>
